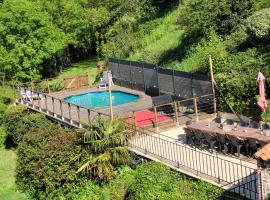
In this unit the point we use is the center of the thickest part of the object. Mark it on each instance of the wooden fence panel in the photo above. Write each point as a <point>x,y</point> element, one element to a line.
<point>76,82</point>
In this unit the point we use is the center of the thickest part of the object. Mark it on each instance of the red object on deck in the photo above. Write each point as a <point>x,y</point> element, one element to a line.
<point>144,118</point>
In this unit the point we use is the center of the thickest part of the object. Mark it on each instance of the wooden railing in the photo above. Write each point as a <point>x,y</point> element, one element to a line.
<point>69,113</point>
<point>178,112</point>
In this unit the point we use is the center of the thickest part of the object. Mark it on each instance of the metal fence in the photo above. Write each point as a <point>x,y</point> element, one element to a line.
<point>238,178</point>
<point>156,81</point>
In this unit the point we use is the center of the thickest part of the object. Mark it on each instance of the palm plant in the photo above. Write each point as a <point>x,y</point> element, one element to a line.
<point>105,144</point>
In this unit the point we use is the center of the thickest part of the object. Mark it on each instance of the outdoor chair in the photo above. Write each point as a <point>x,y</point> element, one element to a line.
<point>211,141</point>
<point>243,123</point>
<point>223,142</point>
<point>228,122</point>
<point>254,125</point>
<point>190,136</point>
<point>236,143</point>
<point>104,81</point>
<point>253,145</point>
<point>265,126</point>
<point>27,95</point>
<point>217,120</point>
<point>199,139</point>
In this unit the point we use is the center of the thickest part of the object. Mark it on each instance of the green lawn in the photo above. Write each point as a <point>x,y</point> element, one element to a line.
<point>7,176</point>
<point>79,68</point>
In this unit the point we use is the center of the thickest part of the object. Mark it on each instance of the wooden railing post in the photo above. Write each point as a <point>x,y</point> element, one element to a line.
<point>46,103</point>
<point>61,108</point>
<point>69,113</point>
<point>176,113</point>
<point>38,96</point>
<point>196,108</point>
<point>53,106</point>
<point>156,119</point>
<point>134,121</point>
<point>78,114</point>
<point>89,116</point>
<point>213,83</point>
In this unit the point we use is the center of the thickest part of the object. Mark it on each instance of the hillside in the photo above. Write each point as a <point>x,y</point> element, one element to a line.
<point>173,34</point>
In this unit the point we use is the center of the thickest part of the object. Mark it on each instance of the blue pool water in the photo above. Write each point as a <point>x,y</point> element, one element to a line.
<point>101,99</point>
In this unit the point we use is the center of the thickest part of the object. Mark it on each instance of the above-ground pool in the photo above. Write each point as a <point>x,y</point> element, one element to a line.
<point>101,99</point>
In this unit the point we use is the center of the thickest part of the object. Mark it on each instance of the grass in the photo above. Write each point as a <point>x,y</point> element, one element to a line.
<point>163,38</point>
<point>7,176</point>
<point>79,68</point>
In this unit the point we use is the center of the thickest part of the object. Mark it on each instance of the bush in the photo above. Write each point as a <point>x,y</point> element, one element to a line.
<point>47,161</point>
<point>2,137</point>
<point>258,25</point>
<point>18,121</point>
<point>156,181</point>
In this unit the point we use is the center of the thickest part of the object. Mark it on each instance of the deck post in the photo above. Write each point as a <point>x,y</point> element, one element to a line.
<point>78,114</point>
<point>53,106</point>
<point>69,113</point>
<point>46,103</point>
<point>196,108</point>
<point>48,85</point>
<point>89,116</point>
<point>176,113</point>
<point>38,101</point>
<point>134,121</point>
<point>213,83</point>
<point>156,119</point>
<point>61,108</point>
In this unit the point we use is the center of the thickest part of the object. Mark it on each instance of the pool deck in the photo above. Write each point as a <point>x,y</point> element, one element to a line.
<point>144,102</point>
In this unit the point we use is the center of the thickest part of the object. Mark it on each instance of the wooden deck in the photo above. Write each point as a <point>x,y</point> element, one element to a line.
<point>144,102</point>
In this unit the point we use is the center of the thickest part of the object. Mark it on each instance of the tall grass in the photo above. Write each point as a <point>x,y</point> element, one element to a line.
<point>164,37</point>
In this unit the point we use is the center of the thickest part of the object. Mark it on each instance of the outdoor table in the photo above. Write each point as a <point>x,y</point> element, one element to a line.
<point>239,133</point>
<point>251,133</point>
<point>203,126</point>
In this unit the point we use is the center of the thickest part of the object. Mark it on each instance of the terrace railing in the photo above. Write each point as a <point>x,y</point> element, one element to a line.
<point>236,176</point>
<point>178,112</point>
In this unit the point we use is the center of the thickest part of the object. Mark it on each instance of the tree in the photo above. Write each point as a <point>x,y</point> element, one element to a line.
<point>105,143</point>
<point>258,25</point>
<point>27,39</point>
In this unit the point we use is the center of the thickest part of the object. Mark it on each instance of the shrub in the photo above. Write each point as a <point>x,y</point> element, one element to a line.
<point>18,121</point>
<point>258,25</point>
<point>47,161</point>
<point>156,181</point>
<point>2,137</point>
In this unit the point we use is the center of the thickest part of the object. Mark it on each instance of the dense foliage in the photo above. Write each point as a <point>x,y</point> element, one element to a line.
<point>235,32</point>
<point>18,121</point>
<point>47,166</point>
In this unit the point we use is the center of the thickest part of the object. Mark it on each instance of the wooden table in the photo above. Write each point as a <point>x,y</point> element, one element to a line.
<point>239,133</point>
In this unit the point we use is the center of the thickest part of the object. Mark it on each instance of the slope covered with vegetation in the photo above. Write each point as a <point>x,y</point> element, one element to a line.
<point>40,38</point>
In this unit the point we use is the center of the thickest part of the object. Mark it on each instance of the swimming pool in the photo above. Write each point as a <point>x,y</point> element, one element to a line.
<point>101,99</point>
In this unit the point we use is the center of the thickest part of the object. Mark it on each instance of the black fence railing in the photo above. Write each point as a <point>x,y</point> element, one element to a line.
<point>156,81</point>
<point>238,177</point>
